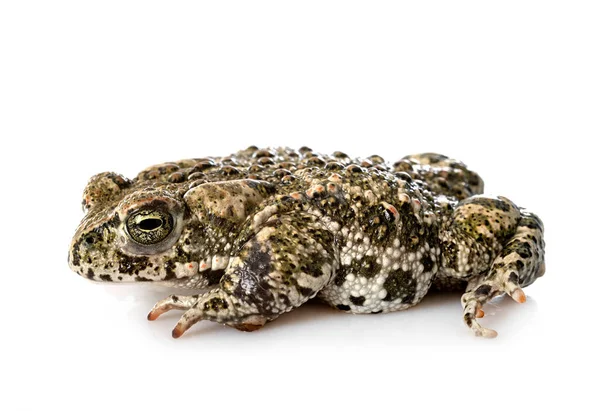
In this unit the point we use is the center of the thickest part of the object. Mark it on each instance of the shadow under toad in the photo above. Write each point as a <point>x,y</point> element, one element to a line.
<point>441,310</point>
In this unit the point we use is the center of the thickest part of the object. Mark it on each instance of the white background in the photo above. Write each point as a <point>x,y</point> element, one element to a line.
<point>511,88</point>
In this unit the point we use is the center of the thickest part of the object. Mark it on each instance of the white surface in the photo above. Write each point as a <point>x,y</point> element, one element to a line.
<point>511,88</point>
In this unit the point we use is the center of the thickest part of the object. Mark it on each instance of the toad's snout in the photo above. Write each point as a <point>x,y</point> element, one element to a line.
<point>89,245</point>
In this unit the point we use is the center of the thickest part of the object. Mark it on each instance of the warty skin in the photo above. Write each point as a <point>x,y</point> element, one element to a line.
<point>262,231</point>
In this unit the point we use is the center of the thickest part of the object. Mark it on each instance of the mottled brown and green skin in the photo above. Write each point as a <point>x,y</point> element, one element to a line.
<point>262,231</point>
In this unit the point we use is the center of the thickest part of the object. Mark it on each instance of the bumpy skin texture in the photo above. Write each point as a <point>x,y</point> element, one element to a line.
<point>263,231</point>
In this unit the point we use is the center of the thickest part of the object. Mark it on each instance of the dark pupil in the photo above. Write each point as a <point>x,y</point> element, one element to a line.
<point>150,224</point>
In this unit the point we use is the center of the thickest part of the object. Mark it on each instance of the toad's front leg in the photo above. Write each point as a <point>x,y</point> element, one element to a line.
<point>287,262</point>
<point>498,248</point>
<point>172,302</point>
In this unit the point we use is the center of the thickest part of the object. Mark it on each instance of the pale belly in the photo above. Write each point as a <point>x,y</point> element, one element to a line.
<point>381,280</point>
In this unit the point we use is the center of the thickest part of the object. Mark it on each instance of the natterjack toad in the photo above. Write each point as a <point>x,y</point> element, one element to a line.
<point>261,232</point>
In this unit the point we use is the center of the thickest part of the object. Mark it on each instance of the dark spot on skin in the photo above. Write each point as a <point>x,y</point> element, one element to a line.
<point>377,312</point>
<point>483,290</point>
<point>530,224</point>
<point>400,284</point>
<point>343,307</point>
<point>284,299</point>
<point>170,270</point>
<point>131,264</point>
<point>427,263</point>
<point>340,277</point>
<point>175,298</point>
<point>216,304</point>
<point>90,273</point>
<point>258,262</point>
<point>524,251</point>
<point>358,301</point>
<point>105,277</point>
<point>252,279</point>
<point>214,276</point>
<point>366,267</point>
<point>513,278</point>
<point>76,260</point>
<point>501,205</point>
<point>305,291</point>
<point>90,238</point>
<point>379,223</point>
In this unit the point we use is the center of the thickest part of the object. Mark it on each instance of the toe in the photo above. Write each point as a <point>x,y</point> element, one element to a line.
<point>191,317</point>
<point>177,331</point>
<point>489,333</point>
<point>518,295</point>
<point>153,315</point>
<point>172,302</point>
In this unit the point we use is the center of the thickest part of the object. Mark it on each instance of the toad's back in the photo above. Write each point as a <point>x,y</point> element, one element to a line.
<point>385,223</point>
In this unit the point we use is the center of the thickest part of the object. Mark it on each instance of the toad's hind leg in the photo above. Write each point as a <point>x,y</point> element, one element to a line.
<point>517,265</point>
<point>287,262</point>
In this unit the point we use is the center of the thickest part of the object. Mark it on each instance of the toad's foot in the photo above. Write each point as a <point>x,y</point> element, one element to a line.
<point>211,306</point>
<point>172,302</point>
<point>519,263</point>
<point>220,306</point>
<point>473,301</point>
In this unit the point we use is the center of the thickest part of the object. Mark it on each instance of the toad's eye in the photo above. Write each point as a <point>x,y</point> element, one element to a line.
<point>149,226</point>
